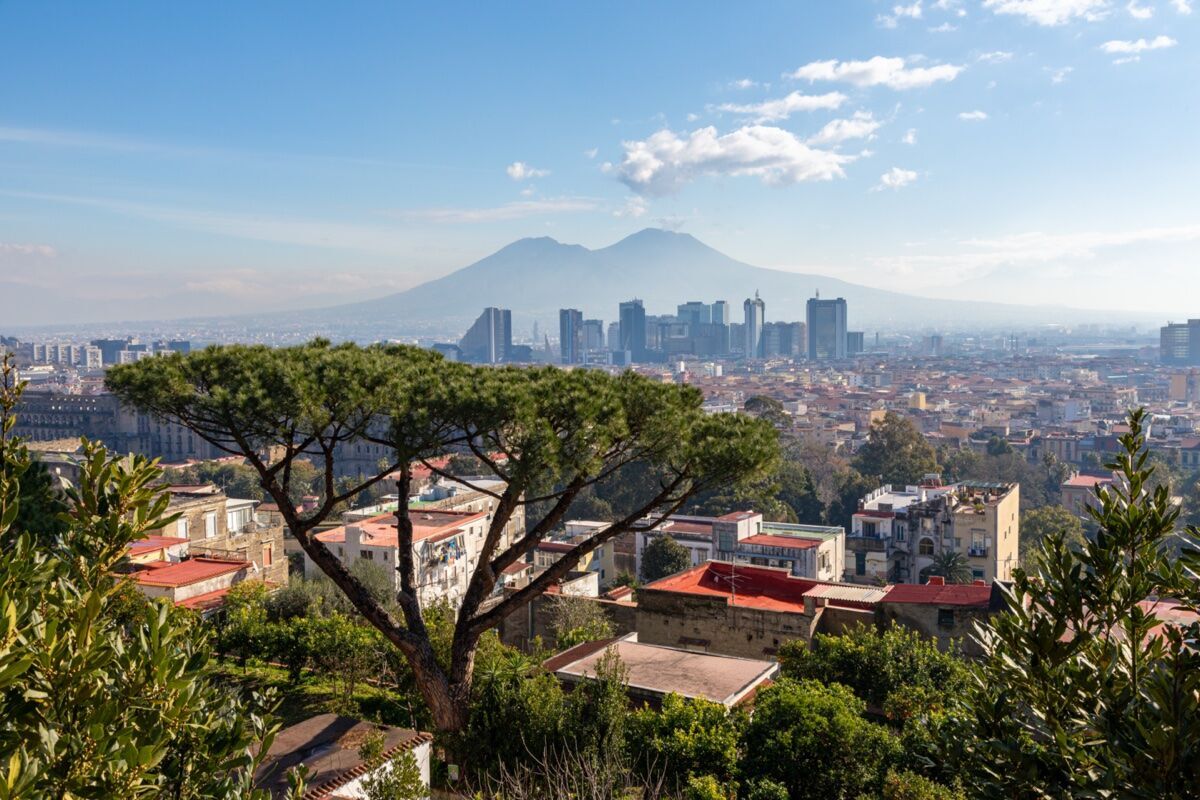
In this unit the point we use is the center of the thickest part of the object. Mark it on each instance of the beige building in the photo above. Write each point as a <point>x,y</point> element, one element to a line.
<point>223,527</point>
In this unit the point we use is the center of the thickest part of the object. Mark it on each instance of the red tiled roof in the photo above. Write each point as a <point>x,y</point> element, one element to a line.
<point>688,527</point>
<point>556,547</point>
<point>736,516</point>
<point>758,587</point>
<point>188,572</point>
<point>933,595</point>
<point>1087,482</point>
<point>380,531</point>
<point>875,514</point>
<point>792,542</point>
<point>206,601</point>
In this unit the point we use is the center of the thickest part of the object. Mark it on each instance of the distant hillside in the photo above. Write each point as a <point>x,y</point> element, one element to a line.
<point>537,277</point>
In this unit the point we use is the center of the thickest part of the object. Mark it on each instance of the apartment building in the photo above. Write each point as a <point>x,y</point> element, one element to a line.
<point>897,534</point>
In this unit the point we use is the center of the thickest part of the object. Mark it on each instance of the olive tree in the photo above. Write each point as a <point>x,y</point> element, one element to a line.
<point>542,435</point>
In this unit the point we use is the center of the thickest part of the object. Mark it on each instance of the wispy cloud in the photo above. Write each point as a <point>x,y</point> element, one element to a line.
<point>1182,6</point>
<point>784,107</point>
<point>995,57</point>
<point>895,178</point>
<point>861,126</point>
<point>1059,75</point>
<point>910,136</point>
<point>520,171</point>
<point>973,116</point>
<point>1139,12</point>
<point>508,211</point>
<point>877,71</point>
<point>899,12</point>
<point>1136,46</point>
<point>1051,12</point>
<point>26,249</point>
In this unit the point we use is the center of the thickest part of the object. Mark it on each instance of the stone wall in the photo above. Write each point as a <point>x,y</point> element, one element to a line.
<point>712,625</point>
<point>534,620</point>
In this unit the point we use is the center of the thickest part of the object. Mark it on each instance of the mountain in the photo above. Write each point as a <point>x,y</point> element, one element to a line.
<point>537,277</point>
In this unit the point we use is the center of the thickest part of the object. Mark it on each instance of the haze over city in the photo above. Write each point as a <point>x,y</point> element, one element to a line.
<point>168,161</point>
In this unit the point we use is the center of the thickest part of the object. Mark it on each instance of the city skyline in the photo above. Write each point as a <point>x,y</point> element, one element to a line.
<point>246,185</point>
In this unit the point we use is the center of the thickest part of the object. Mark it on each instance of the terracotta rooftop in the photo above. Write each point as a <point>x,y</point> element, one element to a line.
<point>791,542</point>
<point>767,588</point>
<point>152,543</point>
<point>328,745</point>
<point>184,573</point>
<point>1087,481</point>
<point>944,595</point>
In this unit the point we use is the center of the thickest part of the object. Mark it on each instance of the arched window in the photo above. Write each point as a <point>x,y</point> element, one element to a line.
<point>926,546</point>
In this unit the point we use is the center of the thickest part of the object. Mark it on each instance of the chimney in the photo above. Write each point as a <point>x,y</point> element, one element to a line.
<point>936,580</point>
<point>353,535</point>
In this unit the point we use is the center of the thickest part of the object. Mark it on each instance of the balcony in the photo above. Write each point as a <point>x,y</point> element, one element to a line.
<point>978,551</point>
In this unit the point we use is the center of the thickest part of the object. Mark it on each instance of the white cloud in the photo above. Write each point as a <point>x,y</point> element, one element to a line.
<point>877,71</point>
<point>910,136</point>
<point>950,5</point>
<point>1059,75</point>
<point>1139,12</point>
<point>24,249</point>
<point>743,83</point>
<point>591,152</point>
<point>520,171</point>
<point>895,178</point>
<point>784,107</point>
<point>945,27</point>
<point>1182,6</point>
<point>1051,12</point>
<point>1127,60</point>
<point>1133,47</point>
<point>635,206</point>
<point>973,116</point>
<point>995,57</point>
<point>691,117</point>
<point>666,161</point>
<point>861,126</point>
<point>900,12</point>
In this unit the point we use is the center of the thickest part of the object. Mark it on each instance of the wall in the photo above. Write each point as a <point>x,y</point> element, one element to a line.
<point>710,624</point>
<point>923,618</point>
<point>534,620</point>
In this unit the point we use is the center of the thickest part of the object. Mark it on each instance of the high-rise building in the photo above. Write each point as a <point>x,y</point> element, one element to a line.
<point>1179,343</point>
<point>694,313</point>
<point>826,328</point>
<point>855,343</point>
<point>110,349</point>
<point>719,313</point>
<point>782,339</point>
<point>755,312</point>
<point>570,335</point>
<point>593,334</point>
<point>633,329</point>
<point>489,339</point>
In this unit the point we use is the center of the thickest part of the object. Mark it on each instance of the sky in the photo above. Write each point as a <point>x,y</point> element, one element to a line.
<point>169,159</point>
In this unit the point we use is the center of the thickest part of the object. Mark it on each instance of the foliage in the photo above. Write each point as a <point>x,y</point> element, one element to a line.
<point>1083,691</point>
<point>574,620</point>
<point>952,566</point>
<point>663,556</point>
<point>896,452</point>
<point>875,665</point>
<point>1039,523</point>
<point>93,706</point>
<point>813,739</point>
<point>911,786</point>
<point>704,787</point>
<point>766,789</point>
<point>398,778</point>
<point>686,739</point>
<point>850,486</point>
<point>562,432</point>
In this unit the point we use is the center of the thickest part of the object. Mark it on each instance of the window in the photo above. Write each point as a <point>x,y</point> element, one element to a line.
<point>367,554</point>
<point>181,528</point>
<point>899,534</point>
<point>977,574</point>
<point>860,563</point>
<point>925,548</point>
<point>869,529</point>
<point>267,555</point>
<point>210,524</point>
<point>945,618</point>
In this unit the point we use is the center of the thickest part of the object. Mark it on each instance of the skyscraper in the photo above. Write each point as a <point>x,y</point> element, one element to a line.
<point>719,313</point>
<point>694,313</point>
<point>1179,343</point>
<point>593,334</point>
<point>570,335</point>
<point>489,339</point>
<point>633,329</point>
<point>755,311</point>
<point>826,328</point>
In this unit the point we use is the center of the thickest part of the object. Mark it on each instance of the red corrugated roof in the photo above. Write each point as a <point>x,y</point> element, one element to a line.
<point>152,543</point>
<point>187,572</point>
<point>931,595</point>
<point>792,542</point>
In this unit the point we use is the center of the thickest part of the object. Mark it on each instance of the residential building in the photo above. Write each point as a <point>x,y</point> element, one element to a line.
<point>164,567</point>
<point>944,613</point>
<point>1179,343</point>
<point>897,534</point>
<point>826,328</point>
<point>1079,493</point>
<point>854,343</point>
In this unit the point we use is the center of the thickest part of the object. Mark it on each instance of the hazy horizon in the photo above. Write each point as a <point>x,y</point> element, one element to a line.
<point>167,162</point>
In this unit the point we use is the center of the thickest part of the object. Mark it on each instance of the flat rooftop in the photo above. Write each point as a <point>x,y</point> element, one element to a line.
<point>380,531</point>
<point>659,671</point>
<point>766,588</point>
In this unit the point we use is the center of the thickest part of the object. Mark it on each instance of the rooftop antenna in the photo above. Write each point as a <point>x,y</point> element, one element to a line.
<point>818,294</point>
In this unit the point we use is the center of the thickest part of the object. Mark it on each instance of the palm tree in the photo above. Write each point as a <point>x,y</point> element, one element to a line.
<point>952,566</point>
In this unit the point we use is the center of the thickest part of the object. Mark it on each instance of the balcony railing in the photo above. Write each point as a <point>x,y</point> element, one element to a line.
<point>978,550</point>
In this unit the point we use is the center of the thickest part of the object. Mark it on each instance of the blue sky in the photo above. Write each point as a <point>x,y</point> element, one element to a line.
<point>158,159</point>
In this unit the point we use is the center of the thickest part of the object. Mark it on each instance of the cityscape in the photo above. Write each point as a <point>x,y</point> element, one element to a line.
<point>557,402</point>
